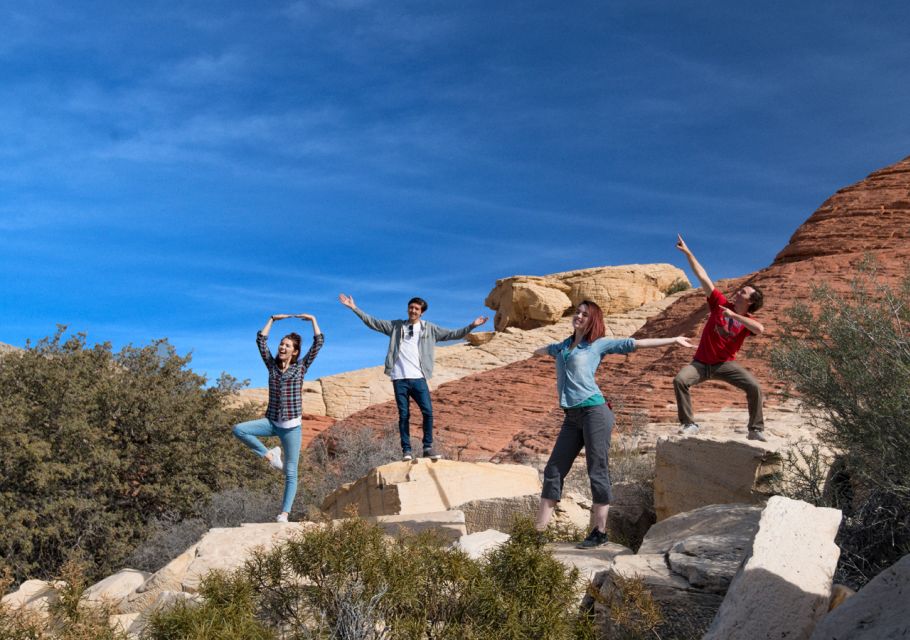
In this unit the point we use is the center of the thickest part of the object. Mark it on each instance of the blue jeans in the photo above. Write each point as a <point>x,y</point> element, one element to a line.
<point>405,390</point>
<point>250,432</point>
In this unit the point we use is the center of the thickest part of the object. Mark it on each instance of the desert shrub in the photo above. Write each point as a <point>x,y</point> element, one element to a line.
<point>680,284</point>
<point>226,610</point>
<point>848,357</point>
<point>629,609</point>
<point>96,444</point>
<point>348,580</point>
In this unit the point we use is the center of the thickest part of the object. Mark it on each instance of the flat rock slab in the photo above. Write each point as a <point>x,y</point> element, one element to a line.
<point>589,562</point>
<point>226,549</point>
<point>785,585</point>
<point>878,611</point>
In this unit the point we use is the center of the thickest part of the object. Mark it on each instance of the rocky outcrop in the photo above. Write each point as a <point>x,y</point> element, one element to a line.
<point>692,472</point>
<point>784,586</point>
<point>878,611</point>
<point>422,486</point>
<point>686,563</point>
<point>528,302</point>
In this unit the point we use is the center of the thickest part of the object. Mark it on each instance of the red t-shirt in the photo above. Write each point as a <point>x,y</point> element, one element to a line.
<point>722,337</point>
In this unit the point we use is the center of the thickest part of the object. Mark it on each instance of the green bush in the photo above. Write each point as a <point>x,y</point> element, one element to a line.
<point>680,284</point>
<point>349,581</point>
<point>96,444</point>
<point>848,357</point>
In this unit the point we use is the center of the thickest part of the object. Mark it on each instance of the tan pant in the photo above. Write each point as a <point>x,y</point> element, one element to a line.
<point>730,372</point>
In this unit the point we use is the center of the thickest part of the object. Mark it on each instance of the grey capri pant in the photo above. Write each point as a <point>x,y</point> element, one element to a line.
<point>591,428</point>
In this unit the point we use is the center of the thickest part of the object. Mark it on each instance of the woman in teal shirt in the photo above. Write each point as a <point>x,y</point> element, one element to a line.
<point>588,419</point>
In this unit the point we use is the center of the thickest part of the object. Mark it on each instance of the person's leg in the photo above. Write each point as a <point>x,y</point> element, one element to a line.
<point>250,432</point>
<point>544,512</point>
<point>568,444</point>
<point>420,391</point>
<point>597,429</point>
<point>290,444</point>
<point>404,413</point>
<point>690,375</point>
<point>733,373</point>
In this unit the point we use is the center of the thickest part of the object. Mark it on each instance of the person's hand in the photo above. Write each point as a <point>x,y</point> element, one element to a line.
<point>346,300</point>
<point>305,316</point>
<point>281,316</point>
<point>684,341</point>
<point>479,320</point>
<point>727,312</point>
<point>681,244</point>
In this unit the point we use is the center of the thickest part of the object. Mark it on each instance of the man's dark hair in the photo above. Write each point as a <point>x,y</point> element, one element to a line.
<point>423,303</point>
<point>756,300</point>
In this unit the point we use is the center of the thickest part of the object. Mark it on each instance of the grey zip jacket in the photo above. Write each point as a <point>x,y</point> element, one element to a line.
<point>430,334</point>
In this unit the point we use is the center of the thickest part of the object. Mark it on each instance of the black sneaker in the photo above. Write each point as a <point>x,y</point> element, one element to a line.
<point>431,453</point>
<point>407,456</point>
<point>596,538</point>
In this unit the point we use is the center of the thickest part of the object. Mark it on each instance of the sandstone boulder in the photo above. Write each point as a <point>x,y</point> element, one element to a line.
<point>167,578</point>
<point>784,586</point>
<point>527,302</point>
<point>116,587</point>
<point>227,548</point>
<point>692,472</point>
<point>448,524</point>
<point>686,563</point>
<point>33,595</point>
<point>878,611</point>
<point>422,486</point>
<point>500,513</point>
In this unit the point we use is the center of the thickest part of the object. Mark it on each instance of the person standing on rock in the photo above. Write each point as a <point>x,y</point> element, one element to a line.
<point>409,363</point>
<point>588,418</point>
<point>285,409</point>
<point>729,324</point>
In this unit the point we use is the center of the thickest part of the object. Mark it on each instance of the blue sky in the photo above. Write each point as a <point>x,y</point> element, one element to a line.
<point>183,170</point>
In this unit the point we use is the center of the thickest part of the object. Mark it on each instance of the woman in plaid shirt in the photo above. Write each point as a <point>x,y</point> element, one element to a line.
<point>282,418</point>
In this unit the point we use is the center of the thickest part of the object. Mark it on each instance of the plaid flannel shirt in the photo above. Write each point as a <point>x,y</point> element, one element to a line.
<point>284,388</point>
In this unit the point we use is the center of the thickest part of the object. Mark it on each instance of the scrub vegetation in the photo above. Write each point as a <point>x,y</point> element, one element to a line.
<point>99,445</point>
<point>848,357</point>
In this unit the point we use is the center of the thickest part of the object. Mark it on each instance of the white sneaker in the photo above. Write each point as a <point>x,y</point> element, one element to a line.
<point>275,458</point>
<point>282,517</point>
<point>755,434</point>
<point>688,429</point>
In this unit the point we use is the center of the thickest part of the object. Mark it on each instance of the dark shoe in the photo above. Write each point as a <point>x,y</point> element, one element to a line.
<point>755,434</point>
<point>407,456</point>
<point>431,453</point>
<point>596,538</point>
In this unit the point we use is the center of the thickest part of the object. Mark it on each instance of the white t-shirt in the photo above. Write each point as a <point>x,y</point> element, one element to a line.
<point>408,363</point>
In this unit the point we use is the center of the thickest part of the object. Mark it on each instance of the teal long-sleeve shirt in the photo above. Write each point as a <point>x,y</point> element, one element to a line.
<point>575,368</point>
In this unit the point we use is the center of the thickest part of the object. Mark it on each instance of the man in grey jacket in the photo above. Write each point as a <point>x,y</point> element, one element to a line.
<point>409,363</point>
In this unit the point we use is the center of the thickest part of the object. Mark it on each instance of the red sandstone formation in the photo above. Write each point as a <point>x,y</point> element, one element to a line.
<point>511,411</point>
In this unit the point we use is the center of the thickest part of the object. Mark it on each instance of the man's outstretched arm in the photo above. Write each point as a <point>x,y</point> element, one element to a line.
<point>376,324</point>
<point>696,267</point>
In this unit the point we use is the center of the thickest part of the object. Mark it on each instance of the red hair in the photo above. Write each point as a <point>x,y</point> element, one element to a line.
<point>596,327</point>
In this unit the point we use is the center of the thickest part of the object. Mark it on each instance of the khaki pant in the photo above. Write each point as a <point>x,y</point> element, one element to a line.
<point>731,372</point>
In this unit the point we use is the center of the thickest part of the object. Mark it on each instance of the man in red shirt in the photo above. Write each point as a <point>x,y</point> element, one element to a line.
<point>729,323</point>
